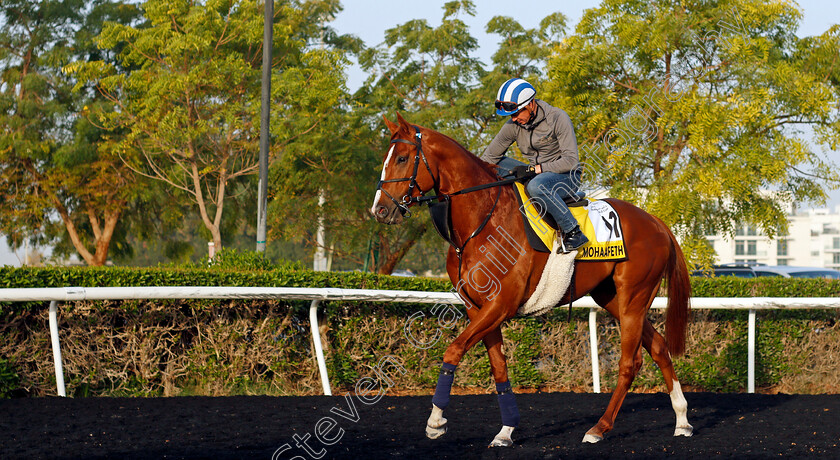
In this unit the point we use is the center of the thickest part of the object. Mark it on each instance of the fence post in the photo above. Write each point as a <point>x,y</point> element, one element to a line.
<point>56,348</point>
<point>319,351</point>
<point>593,350</point>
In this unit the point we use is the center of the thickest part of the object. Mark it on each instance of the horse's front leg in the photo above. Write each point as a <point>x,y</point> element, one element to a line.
<point>507,401</point>
<point>436,424</point>
<point>482,322</point>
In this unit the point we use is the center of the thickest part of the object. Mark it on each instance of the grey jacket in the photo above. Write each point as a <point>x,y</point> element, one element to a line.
<point>551,143</point>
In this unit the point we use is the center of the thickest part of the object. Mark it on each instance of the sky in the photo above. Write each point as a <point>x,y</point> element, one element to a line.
<point>368,20</point>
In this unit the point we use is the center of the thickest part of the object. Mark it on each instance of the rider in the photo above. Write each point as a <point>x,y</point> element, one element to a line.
<point>546,138</point>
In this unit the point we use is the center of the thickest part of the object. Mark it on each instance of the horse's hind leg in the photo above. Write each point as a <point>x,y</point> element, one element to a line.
<point>655,344</point>
<point>631,337</point>
<point>630,312</point>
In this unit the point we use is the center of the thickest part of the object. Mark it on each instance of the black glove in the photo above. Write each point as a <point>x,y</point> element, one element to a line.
<point>521,172</point>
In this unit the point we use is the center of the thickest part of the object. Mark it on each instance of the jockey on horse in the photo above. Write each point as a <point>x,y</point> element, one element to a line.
<point>482,223</point>
<point>546,138</point>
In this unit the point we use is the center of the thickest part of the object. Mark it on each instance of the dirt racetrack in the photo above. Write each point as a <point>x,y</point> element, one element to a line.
<point>553,424</point>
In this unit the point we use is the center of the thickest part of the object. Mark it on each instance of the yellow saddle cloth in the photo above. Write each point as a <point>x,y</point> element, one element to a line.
<point>597,219</point>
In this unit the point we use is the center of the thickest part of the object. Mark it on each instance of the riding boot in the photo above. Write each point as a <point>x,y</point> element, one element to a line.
<point>572,240</point>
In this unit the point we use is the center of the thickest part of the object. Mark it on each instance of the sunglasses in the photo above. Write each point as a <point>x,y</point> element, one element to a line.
<point>507,106</point>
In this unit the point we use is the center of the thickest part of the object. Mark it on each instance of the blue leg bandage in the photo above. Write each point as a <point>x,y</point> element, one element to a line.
<point>444,385</point>
<point>507,404</point>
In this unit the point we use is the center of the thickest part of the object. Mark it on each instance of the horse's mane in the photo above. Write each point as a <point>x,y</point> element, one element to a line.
<point>491,169</point>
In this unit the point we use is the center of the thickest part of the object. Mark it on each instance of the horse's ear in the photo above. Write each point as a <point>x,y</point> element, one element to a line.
<point>403,123</point>
<point>391,125</point>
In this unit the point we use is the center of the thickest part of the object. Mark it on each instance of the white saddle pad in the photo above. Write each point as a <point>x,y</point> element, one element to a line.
<point>553,284</point>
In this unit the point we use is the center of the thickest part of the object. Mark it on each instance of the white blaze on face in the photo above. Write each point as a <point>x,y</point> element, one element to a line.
<point>382,177</point>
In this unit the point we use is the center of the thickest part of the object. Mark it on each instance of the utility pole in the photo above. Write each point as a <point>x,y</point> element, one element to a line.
<point>265,120</point>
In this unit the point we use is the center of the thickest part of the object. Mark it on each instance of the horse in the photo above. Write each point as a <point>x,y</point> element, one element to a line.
<point>494,274</point>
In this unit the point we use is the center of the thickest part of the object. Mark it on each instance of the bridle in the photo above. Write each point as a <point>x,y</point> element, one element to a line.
<point>408,198</point>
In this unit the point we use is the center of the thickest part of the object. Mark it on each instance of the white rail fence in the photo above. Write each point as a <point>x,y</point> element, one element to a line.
<point>318,295</point>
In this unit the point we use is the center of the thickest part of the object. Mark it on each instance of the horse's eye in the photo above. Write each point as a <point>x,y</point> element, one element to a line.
<point>402,159</point>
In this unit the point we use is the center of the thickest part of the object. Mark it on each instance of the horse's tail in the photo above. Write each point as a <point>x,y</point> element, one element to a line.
<point>679,293</point>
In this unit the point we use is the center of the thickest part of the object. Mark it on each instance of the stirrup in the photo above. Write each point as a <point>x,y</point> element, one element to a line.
<point>575,233</point>
<point>561,246</point>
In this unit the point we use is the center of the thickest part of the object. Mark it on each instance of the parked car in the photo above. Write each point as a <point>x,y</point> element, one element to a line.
<point>741,271</point>
<point>789,271</point>
<point>402,273</point>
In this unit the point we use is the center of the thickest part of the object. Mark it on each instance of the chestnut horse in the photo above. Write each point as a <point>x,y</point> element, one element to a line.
<point>495,271</point>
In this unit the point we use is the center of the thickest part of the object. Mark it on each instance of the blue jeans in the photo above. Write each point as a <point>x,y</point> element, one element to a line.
<point>549,189</point>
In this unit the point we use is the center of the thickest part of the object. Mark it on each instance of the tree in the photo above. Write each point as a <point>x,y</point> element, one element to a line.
<point>191,107</point>
<point>344,153</point>
<point>52,163</point>
<point>429,74</point>
<point>695,109</point>
<point>419,69</point>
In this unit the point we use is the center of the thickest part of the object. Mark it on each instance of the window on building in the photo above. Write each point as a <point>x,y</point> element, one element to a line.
<point>739,231</point>
<point>751,231</point>
<point>836,242</point>
<point>835,259</point>
<point>739,248</point>
<point>781,247</point>
<point>782,261</point>
<point>751,247</point>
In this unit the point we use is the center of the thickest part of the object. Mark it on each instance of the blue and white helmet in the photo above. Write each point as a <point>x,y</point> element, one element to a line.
<point>513,96</point>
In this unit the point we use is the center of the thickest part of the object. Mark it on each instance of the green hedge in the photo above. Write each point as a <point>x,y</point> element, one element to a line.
<point>29,277</point>
<point>730,286</point>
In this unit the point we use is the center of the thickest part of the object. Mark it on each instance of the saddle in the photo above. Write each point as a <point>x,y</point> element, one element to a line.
<point>596,218</point>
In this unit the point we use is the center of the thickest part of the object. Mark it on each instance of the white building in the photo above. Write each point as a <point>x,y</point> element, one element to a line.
<point>813,240</point>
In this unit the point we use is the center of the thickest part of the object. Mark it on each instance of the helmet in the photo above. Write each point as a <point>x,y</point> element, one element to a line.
<point>513,96</point>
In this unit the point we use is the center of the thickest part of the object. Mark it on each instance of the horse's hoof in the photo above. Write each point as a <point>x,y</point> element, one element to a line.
<point>592,439</point>
<point>434,433</point>
<point>687,430</point>
<point>501,441</point>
